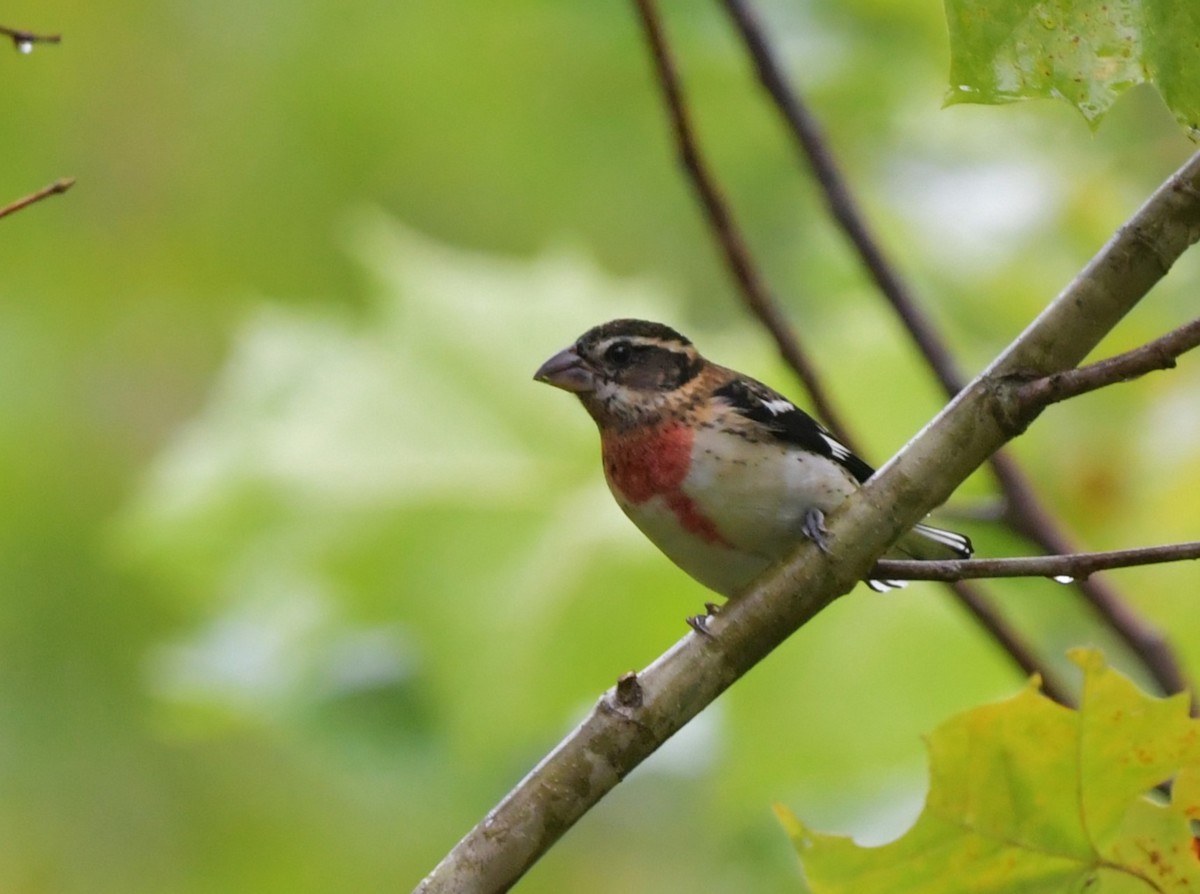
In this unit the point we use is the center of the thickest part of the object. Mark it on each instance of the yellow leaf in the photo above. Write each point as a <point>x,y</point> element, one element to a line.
<point>1028,796</point>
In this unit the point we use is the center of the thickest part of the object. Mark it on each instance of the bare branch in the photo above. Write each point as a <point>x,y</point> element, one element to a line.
<point>814,149</point>
<point>1032,397</point>
<point>1072,567</point>
<point>58,186</point>
<point>1006,636</point>
<point>756,296</point>
<point>619,733</point>
<point>725,230</point>
<point>1025,513</point>
<point>24,40</point>
<point>1027,516</point>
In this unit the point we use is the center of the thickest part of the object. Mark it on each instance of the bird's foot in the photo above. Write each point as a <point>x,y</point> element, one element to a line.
<point>813,527</point>
<point>699,623</point>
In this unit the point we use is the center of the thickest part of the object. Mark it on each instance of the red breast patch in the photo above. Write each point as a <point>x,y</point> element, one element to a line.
<point>653,463</point>
<point>643,464</point>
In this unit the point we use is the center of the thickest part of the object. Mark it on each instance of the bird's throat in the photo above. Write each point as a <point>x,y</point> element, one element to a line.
<point>644,464</point>
<point>654,463</point>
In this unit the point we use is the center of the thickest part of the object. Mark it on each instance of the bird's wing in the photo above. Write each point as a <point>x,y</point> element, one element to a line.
<point>779,418</point>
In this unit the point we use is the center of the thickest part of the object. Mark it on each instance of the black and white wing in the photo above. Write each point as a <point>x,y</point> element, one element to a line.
<point>773,412</point>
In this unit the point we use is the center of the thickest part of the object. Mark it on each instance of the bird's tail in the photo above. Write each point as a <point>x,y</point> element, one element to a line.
<point>925,543</point>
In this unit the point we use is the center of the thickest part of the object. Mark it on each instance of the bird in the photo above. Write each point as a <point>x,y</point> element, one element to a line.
<point>722,473</point>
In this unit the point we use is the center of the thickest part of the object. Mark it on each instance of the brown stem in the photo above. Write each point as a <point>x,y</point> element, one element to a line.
<point>1006,636</point>
<point>1031,397</point>
<point>725,230</point>
<point>1026,513</point>
<point>22,39</point>
<point>760,301</point>
<point>58,186</point>
<point>1076,566</point>
<point>623,730</point>
<point>814,149</point>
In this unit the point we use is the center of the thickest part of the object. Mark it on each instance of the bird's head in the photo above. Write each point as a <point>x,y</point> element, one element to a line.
<point>624,371</point>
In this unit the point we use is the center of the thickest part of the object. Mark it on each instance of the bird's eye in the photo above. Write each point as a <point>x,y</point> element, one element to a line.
<point>619,353</point>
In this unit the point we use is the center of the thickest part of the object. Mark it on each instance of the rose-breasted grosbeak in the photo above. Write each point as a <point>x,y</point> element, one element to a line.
<point>723,474</point>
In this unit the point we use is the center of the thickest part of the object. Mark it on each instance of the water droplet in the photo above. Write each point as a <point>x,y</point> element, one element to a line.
<point>25,46</point>
<point>1063,579</point>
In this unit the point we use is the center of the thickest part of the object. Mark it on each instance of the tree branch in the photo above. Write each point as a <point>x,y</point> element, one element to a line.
<point>1075,566</point>
<point>814,149</point>
<point>1025,513</point>
<point>24,40</point>
<point>1013,644</point>
<point>1030,398</point>
<point>58,186</point>
<point>620,733</point>
<point>725,230</point>
<point>756,297</point>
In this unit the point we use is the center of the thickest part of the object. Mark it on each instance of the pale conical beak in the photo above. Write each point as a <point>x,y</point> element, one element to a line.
<point>566,370</point>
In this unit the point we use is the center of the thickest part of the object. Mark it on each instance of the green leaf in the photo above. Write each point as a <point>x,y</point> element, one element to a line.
<point>1028,796</point>
<point>1084,51</point>
<point>341,461</point>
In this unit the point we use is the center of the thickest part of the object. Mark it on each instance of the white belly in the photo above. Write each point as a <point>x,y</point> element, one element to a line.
<point>754,495</point>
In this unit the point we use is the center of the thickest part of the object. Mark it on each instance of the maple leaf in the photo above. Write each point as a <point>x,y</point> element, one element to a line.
<point>1084,52</point>
<point>1029,796</point>
<point>331,432</point>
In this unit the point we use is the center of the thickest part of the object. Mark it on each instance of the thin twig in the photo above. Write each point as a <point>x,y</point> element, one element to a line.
<point>1025,512</point>
<point>1072,567</point>
<point>24,40</point>
<point>814,148</point>
<point>1032,397</point>
<point>58,186</point>
<point>1006,636</point>
<point>754,291</point>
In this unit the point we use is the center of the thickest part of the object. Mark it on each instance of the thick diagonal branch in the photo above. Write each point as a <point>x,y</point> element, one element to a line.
<point>622,732</point>
<point>759,300</point>
<point>1025,512</point>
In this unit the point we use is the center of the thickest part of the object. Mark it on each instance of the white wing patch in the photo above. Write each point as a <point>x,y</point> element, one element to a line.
<point>779,406</point>
<point>839,450</point>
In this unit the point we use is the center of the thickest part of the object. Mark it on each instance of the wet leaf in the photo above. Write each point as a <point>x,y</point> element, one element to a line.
<point>1083,51</point>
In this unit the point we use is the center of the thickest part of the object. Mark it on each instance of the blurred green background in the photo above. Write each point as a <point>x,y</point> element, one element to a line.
<point>300,571</point>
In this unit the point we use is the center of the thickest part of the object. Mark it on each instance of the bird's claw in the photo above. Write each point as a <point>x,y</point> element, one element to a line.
<point>813,527</point>
<point>699,623</point>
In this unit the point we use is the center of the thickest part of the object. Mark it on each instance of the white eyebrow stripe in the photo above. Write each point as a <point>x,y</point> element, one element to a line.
<point>641,341</point>
<point>840,450</point>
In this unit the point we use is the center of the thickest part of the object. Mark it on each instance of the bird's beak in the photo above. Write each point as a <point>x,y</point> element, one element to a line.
<point>566,370</point>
